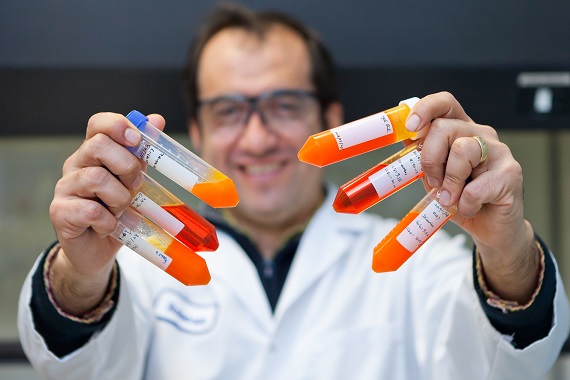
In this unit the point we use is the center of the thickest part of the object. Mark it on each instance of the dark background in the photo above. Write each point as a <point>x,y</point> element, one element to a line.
<point>61,61</point>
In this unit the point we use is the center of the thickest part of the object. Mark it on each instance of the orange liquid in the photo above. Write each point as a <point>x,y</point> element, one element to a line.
<point>221,192</point>
<point>197,234</point>
<point>389,254</point>
<point>322,149</point>
<point>186,266</point>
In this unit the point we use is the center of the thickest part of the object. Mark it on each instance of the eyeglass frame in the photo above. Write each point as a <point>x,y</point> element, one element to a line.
<point>253,103</point>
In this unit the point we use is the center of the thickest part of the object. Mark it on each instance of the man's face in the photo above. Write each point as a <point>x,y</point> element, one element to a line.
<point>275,188</point>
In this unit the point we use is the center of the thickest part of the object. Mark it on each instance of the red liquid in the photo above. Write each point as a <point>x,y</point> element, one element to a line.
<point>357,194</point>
<point>186,266</point>
<point>360,194</point>
<point>198,234</point>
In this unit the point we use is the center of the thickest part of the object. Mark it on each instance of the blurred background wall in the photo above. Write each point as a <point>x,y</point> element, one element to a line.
<point>61,61</point>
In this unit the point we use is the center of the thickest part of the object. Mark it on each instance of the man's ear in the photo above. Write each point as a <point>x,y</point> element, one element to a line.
<point>194,132</point>
<point>333,114</point>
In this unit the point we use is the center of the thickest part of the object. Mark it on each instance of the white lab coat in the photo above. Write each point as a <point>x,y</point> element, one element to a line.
<point>335,319</point>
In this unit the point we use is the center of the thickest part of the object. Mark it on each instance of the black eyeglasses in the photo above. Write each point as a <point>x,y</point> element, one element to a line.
<point>281,109</point>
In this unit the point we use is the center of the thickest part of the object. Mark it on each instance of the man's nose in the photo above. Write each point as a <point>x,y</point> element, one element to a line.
<point>257,137</point>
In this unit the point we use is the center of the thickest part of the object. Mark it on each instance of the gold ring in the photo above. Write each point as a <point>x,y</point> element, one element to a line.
<point>483,146</point>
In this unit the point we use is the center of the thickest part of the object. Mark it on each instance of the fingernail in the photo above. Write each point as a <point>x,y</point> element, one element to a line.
<point>413,123</point>
<point>433,182</point>
<point>137,182</point>
<point>444,197</point>
<point>132,136</point>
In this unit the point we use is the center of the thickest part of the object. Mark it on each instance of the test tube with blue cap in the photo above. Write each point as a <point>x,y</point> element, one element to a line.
<point>176,162</point>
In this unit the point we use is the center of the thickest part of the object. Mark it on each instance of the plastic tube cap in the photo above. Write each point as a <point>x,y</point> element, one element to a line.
<point>137,118</point>
<point>410,102</point>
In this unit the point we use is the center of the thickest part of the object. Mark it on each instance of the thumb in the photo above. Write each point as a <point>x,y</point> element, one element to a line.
<point>157,120</point>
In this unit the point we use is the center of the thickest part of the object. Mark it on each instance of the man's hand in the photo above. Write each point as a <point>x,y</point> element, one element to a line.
<point>94,189</point>
<point>490,206</point>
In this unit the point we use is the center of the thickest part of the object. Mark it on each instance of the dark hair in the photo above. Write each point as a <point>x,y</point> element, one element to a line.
<point>323,70</point>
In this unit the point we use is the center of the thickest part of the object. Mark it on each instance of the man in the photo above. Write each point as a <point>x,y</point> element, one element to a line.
<point>292,294</point>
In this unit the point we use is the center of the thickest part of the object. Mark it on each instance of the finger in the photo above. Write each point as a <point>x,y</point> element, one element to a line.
<point>114,125</point>
<point>434,106</point>
<point>489,188</point>
<point>464,155</point>
<point>96,183</point>
<point>101,151</point>
<point>436,146</point>
<point>474,195</point>
<point>71,217</point>
<point>497,181</point>
<point>157,121</point>
<point>438,142</point>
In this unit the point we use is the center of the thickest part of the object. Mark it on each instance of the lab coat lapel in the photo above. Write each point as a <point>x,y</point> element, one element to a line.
<point>232,267</point>
<point>327,239</point>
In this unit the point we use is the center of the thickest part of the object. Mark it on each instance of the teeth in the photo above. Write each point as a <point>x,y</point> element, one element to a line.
<point>261,169</point>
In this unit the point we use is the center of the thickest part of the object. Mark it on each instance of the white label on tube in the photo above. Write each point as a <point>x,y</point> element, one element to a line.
<point>362,130</point>
<point>397,174</point>
<point>157,214</point>
<point>145,249</point>
<point>170,168</point>
<point>423,226</point>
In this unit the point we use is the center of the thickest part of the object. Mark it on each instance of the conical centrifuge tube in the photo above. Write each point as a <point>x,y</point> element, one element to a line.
<point>358,137</point>
<point>142,236</point>
<point>176,218</point>
<point>411,232</point>
<point>384,179</point>
<point>182,166</point>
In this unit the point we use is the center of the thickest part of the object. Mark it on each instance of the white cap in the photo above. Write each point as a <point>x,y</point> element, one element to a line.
<point>410,102</point>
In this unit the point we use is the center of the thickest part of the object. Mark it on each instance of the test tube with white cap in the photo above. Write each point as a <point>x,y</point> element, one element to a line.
<point>359,136</point>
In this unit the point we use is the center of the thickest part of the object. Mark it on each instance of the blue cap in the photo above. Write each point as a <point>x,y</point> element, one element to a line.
<point>137,118</point>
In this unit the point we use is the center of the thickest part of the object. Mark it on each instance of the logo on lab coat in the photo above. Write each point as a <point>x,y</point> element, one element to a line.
<point>185,314</point>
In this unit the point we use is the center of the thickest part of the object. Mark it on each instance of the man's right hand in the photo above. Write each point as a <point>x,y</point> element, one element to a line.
<point>94,189</point>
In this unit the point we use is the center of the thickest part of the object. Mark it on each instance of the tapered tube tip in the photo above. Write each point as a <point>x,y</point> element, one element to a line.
<point>383,266</point>
<point>200,275</point>
<point>219,194</point>
<point>310,153</point>
<point>343,204</point>
<point>387,259</point>
<point>211,243</point>
<point>228,194</point>
<point>188,267</point>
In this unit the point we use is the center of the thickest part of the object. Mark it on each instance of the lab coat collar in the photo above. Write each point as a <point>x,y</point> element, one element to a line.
<point>325,240</point>
<point>328,237</point>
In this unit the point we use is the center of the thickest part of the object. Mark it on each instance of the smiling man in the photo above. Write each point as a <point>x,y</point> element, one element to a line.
<point>292,295</point>
<point>257,107</point>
